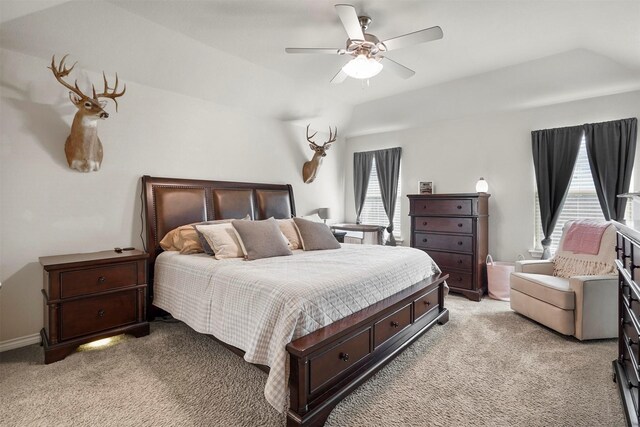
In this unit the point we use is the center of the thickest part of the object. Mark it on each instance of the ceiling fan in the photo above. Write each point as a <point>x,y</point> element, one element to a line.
<point>367,51</point>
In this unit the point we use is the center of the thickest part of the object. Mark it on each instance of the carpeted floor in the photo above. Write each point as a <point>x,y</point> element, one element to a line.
<point>487,367</point>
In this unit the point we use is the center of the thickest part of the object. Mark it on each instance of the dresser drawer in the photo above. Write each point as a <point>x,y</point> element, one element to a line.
<point>94,314</point>
<point>442,207</point>
<point>447,225</point>
<point>459,280</point>
<point>98,279</point>
<point>452,260</point>
<point>391,325</point>
<point>449,242</point>
<point>425,304</point>
<point>336,360</point>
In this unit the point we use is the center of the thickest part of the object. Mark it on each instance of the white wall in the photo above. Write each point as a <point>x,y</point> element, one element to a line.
<point>48,209</point>
<point>497,146</point>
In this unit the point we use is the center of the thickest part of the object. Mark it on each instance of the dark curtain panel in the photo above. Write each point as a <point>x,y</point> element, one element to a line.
<point>388,167</point>
<point>361,170</point>
<point>611,147</point>
<point>554,155</point>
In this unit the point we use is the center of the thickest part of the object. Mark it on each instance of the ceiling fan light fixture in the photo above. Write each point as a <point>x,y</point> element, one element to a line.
<point>362,67</point>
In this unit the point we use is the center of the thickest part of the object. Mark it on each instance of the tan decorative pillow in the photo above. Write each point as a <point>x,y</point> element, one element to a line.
<point>222,239</point>
<point>183,239</point>
<point>315,235</point>
<point>261,239</point>
<point>288,228</point>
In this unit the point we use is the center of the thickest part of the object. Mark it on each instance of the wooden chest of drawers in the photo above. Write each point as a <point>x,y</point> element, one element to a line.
<point>453,230</point>
<point>626,367</point>
<point>92,296</point>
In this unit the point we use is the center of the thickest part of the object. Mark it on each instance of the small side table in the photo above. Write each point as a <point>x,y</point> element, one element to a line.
<point>339,235</point>
<point>372,234</point>
<point>92,296</point>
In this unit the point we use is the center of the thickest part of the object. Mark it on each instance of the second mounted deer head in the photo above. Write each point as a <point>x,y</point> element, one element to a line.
<point>83,147</point>
<point>310,168</point>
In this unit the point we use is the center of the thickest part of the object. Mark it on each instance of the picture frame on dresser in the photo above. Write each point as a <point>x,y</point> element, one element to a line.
<point>453,229</point>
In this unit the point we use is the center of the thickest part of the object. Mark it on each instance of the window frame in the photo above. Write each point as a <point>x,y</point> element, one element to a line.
<point>384,221</point>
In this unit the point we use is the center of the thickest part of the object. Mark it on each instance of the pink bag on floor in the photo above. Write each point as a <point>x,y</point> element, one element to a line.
<point>498,274</point>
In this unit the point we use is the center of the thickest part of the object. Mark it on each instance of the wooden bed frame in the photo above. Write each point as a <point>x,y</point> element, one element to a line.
<point>328,364</point>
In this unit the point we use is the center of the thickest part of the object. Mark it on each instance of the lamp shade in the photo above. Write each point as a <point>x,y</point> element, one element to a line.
<point>482,186</point>
<point>324,213</point>
<point>362,67</point>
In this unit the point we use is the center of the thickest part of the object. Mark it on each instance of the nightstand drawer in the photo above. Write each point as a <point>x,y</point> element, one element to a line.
<point>99,279</point>
<point>445,225</point>
<point>94,314</point>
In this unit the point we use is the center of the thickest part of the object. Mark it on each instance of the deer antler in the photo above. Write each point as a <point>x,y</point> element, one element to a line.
<point>62,71</point>
<point>106,94</point>
<point>309,137</point>
<point>332,136</point>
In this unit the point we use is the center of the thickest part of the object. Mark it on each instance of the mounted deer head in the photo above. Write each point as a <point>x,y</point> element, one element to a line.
<point>83,147</point>
<point>310,168</point>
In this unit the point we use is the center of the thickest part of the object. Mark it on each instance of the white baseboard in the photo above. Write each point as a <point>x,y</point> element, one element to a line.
<point>19,342</point>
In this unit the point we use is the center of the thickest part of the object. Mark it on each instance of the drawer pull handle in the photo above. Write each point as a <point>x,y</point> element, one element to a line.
<point>460,242</point>
<point>101,313</point>
<point>459,224</point>
<point>630,384</point>
<point>344,357</point>
<point>394,324</point>
<point>459,279</point>
<point>424,240</point>
<point>102,279</point>
<point>424,223</point>
<point>630,342</point>
<point>459,261</point>
<point>427,302</point>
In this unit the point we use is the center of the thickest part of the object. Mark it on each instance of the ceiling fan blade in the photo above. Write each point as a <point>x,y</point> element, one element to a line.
<point>349,18</point>
<point>399,69</point>
<point>339,78</point>
<point>426,35</point>
<point>333,51</point>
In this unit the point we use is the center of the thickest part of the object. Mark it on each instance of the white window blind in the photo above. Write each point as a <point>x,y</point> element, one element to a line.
<point>581,202</point>
<point>373,209</point>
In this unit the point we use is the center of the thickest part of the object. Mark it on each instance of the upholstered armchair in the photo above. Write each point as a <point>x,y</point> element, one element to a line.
<point>573,293</point>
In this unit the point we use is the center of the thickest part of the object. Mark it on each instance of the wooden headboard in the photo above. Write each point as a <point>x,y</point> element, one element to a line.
<point>172,202</point>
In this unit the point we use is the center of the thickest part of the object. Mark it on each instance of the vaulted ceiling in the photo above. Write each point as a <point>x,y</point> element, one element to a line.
<point>495,55</point>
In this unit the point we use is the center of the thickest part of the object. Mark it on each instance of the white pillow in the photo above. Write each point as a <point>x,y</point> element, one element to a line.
<point>222,239</point>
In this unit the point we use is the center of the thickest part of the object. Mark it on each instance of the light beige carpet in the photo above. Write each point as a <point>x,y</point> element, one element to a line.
<point>487,367</point>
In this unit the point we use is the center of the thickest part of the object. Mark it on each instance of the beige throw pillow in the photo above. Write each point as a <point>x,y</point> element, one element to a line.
<point>186,239</point>
<point>261,239</point>
<point>222,239</point>
<point>315,235</point>
<point>290,231</point>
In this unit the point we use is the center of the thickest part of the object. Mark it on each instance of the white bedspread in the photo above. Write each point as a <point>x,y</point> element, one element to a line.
<point>260,306</point>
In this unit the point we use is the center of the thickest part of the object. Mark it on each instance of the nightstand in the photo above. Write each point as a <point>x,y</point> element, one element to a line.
<point>92,296</point>
<point>339,235</point>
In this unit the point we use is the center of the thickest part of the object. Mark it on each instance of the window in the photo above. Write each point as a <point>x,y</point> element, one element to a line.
<point>581,202</point>
<point>373,210</point>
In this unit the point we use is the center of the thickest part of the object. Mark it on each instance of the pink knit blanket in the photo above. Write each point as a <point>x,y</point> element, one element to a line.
<point>583,236</point>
